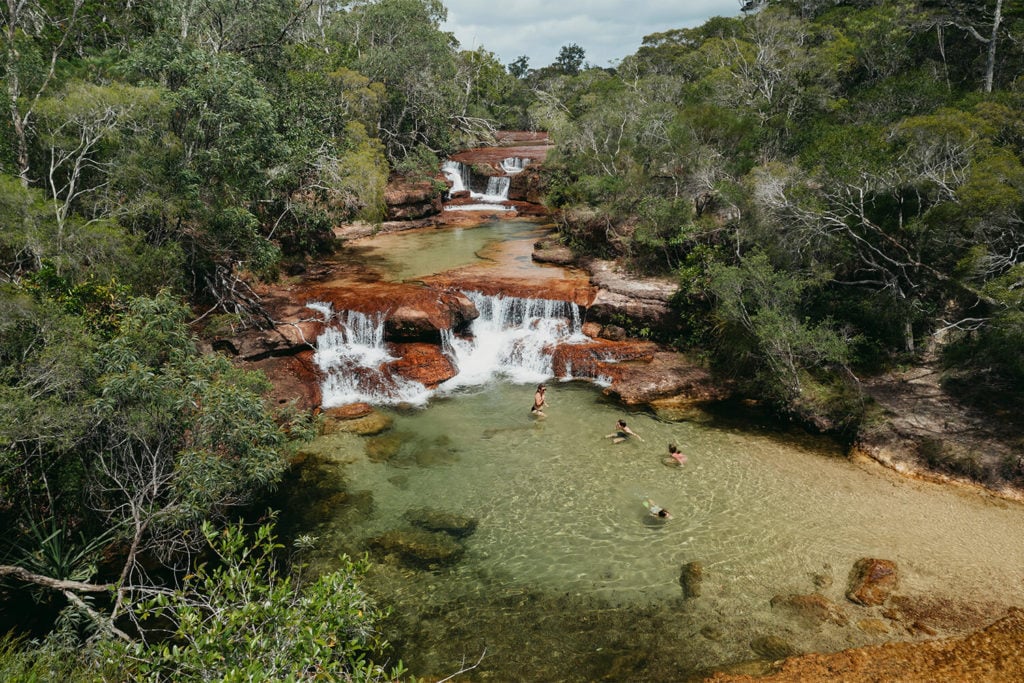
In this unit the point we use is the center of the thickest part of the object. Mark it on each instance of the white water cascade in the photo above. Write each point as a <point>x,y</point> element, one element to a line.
<point>513,165</point>
<point>353,357</point>
<point>512,339</point>
<point>496,193</point>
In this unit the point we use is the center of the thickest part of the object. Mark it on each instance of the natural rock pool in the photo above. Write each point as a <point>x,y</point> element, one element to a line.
<point>567,578</point>
<point>522,546</point>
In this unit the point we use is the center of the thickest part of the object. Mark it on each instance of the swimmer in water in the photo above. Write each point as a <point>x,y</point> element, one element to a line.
<point>621,433</point>
<point>655,510</point>
<point>676,456</point>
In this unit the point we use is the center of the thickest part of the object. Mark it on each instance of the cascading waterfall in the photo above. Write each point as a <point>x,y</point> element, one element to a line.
<point>457,174</point>
<point>352,355</point>
<point>496,192</point>
<point>513,338</point>
<point>513,165</point>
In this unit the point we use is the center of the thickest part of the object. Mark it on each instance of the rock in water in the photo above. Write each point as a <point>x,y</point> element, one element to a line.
<point>872,581</point>
<point>690,579</point>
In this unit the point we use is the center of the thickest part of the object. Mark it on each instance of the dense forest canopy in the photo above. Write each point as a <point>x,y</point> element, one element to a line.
<point>838,185</point>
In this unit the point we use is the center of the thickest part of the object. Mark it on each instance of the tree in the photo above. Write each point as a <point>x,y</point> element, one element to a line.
<point>759,313</point>
<point>520,67</point>
<point>35,35</point>
<point>570,59</point>
<point>242,618</point>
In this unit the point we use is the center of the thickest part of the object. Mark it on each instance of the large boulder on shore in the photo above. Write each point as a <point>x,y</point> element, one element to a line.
<point>872,581</point>
<point>667,374</point>
<point>407,200</point>
<point>644,301</point>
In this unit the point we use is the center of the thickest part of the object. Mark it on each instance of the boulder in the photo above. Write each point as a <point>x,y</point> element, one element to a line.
<point>418,548</point>
<point>813,609</point>
<point>690,578</point>
<point>552,251</point>
<point>423,363</point>
<point>644,301</point>
<point>772,647</point>
<point>368,425</point>
<point>451,523</point>
<point>407,200</point>
<point>350,411</point>
<point>422,318</point>
<point>666,375</point>
<point>872,581</point>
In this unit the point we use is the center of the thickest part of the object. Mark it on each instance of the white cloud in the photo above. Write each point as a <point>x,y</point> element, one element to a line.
<point>607,30</point>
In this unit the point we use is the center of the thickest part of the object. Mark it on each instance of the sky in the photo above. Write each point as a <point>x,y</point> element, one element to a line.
<point>607,30</point>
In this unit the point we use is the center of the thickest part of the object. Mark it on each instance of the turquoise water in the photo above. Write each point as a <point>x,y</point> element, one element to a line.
<point>567,578</point>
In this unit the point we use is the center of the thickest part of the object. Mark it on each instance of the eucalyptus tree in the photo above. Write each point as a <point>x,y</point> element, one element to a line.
<point>399,43</point>
<point>36,34</point>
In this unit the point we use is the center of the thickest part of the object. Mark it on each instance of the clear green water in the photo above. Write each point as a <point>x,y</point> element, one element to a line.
<point>416,254</point>
<point>567,579</point>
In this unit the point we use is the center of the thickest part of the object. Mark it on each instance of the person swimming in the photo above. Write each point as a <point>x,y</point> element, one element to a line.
<point>655,510</point>
<point>676,456</point>
<point>622,432</point>
<point>539,402</point>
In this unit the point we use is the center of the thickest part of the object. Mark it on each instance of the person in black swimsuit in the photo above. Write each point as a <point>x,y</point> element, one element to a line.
<point>539,403</point>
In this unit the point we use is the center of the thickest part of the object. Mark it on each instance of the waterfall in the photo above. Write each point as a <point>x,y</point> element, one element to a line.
<point>513,339</point>
<point>513,165</point>
<point>457,174</point>
<point>496,192</point>
<point>352,355</point>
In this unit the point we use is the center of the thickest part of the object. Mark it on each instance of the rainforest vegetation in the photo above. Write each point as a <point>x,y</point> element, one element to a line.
<point>837,184</point>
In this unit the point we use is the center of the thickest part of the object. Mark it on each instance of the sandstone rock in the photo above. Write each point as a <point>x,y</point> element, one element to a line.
<point>368,425</point>
<point>350,411</point>
<point>690,578</point>
<point>666,375</point>
<point>423,363</point>
<point>812,610</point>
<point>451,523</point>
<point>874,626</point>
<point>408,200</point>
<point>417,548</point>
<point>871,581</point>
<point>591,329</point>
<point>772,647</point>
<point>552,251</point>
<point>613,333</point>
<point>418,318</point>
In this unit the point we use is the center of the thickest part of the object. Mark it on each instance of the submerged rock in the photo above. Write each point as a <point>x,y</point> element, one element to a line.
<point>384,447</point>
<point>451,523</point>
<point>872,581</point>
<point>367,425</point>
<point>813,610</point>
<point>772,647</point>
<point>690,578</point>
<point>418,548</point>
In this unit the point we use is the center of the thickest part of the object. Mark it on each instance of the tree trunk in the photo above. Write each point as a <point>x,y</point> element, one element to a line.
<point>990,65</point>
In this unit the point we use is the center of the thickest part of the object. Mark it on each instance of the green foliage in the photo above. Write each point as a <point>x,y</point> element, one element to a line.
<point>239,617</point>
<point>758,309</point>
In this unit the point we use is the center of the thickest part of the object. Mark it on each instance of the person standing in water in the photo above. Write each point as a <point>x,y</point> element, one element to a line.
<point>539,402</point>
<point>621,433</point>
